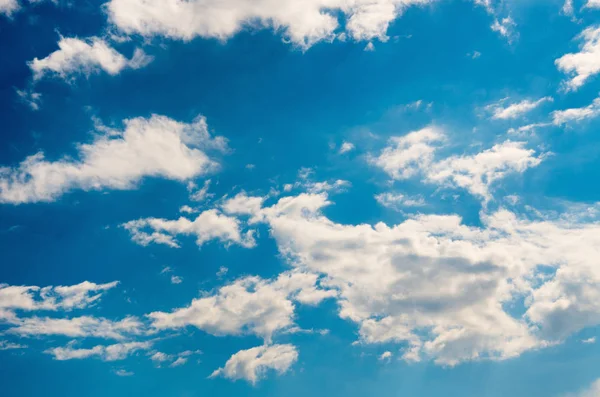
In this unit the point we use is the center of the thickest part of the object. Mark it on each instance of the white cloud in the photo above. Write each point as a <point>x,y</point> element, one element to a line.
<point>560,117</point>
<point>207,226</point>
<point>186,209</point>
<point>407,155</point>
<point>346,147</point>
<point>7,7</point>
<point>176,279</point>
<point>385,356</point>
<point>589,341</point>
<point>515,110</point>
<point>592,391</point>
<point>30,298</point>
<point>160,357</point>
<point>122,372</point>
<point>199,194</point>
<point>30,98</point>
<point>253,364</point>
<point>116,352</point>
<point>413,153</point>
<point>6,345</point>
<point>476,173</point>
<point>302,24</point>
<point>154,147</point>
<point>527,129</point>
<point>568,9</point>
<point>398,201</point>
<point>442,288</point>
<point>249,305</point>
<point>593,4</point>
<point>175,360</point>
<point>506,28</point>
<point>77,327</point>
<point>85,56</point>
<point>222,271</point>
<point>582,65</point>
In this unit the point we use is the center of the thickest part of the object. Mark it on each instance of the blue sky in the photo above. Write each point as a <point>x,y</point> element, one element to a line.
<point>326,197</point>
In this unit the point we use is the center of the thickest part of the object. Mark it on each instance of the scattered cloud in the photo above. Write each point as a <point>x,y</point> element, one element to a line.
<point>147,147</point>
<point>77,327</point>
<point>589,341</point>
<point>209,225</point>
<point>506,28</point>
<point>31,298</point>
<point>6,345</point>
<point>253,364</point>
<point>346,147</point>
<point>30,98</point>
<point>201,194</point>
<point>222,272</point>
<point>85,56</point>
<point>398,201</point>
<point>116,352</point>
<point>176,279</point>
<point>250,305</point>
<point>515,110</point>
<point>560,117</point>
<point>413,154</point>
<point>407,155</point>
<point>582,65</point>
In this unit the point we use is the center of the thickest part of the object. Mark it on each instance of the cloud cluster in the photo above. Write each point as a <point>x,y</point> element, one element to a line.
<point>413,154</point>
<point>147,147</point>
<point>30,298</point>
<point>250,305</point>
<point>302,23</point>
<point>209,225</point>
<point>441,288</point>
<point>253,364</point>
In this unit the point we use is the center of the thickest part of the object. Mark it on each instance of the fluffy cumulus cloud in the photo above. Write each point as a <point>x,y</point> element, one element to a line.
<point>441,288</point>
<point>582,65</point>
<point>209,225</point>
<point>116,352</point>
<point>249,305</point>
<point>302,23</point>
<point>85,56</point>
<point>405,156</point>
<point>414,154</point>
<point>515,110</point>
<point>117,159</point>
<point>476,173</point>
<point>253,364</point>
